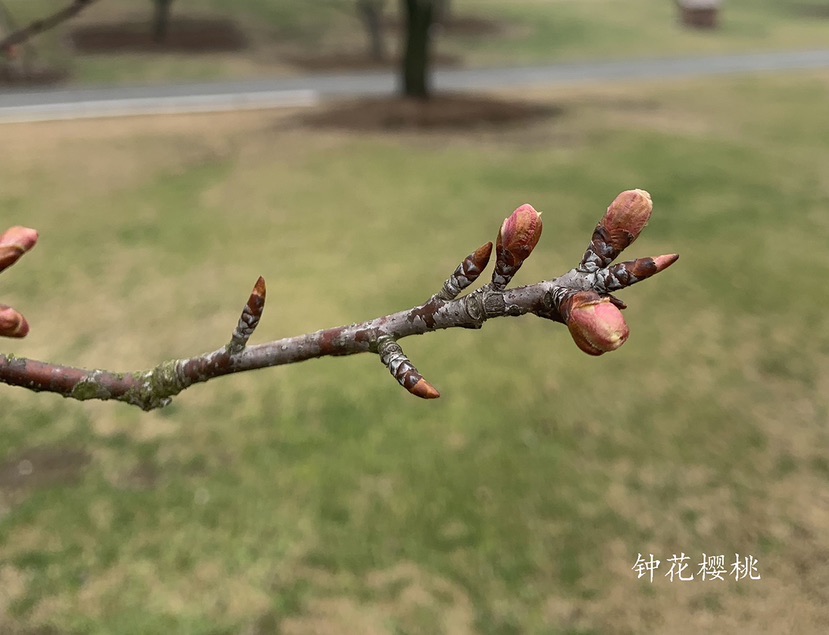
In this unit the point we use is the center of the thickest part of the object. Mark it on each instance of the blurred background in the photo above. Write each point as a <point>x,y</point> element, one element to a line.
<point>322,498</point>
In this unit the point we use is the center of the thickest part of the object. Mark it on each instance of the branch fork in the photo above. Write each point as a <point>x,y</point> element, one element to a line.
<point>581,299</point>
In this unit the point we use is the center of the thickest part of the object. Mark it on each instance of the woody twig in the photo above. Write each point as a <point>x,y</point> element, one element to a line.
<point>9,42</point>
<point>581,299</point>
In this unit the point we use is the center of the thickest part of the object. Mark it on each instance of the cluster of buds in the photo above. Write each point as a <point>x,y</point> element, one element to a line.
<point>595,321</point>
<point>593,316</point>
<point>14,243</point>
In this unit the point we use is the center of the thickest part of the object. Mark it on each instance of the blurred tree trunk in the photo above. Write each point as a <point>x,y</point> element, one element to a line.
<point>418,15</point>
<point>371,12</point>
<point>443,11</point>
<point>161,19</point>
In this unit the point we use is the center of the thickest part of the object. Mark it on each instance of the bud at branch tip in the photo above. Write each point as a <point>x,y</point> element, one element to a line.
<point>663,262</point>
<point>520,233</point>
<point>626,218</point>
<point>12,323</point>
<point>15,242</point>
<point>424,390</point>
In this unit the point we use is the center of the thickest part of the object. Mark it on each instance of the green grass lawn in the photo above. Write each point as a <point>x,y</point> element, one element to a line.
<point>528,32</point>
<point>321,497</point>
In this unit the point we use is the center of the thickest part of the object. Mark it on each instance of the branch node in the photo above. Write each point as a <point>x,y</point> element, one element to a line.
<point>628,273</point>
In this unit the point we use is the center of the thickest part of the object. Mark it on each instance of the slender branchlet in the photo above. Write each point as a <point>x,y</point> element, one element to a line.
<point>249,319</point>
<point>581,299</point>
<point>466,273</point>
<point>402,369</point>
<point>9,43</point>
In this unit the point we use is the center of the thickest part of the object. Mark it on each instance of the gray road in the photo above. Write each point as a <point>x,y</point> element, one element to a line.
<point>75,103</point>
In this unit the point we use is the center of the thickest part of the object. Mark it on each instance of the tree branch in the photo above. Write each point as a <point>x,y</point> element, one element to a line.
<point>580,298</point>
<point>39,26</point>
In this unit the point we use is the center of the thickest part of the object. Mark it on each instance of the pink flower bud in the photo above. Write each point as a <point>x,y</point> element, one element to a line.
<point>519,235</point>
<point>627,216</point>
<point>23,237</point>
<point>15,242</point>
<point>597,326</point>
<point>12,324</point>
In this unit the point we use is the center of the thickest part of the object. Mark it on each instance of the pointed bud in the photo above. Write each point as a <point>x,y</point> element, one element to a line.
<point>12,324</point>
<point>663,262</point>
<point>466,273</point>
<point>626,217</point>
<point>479,259</point>
<point>15,242</point>
<point>517,238</point>
<point>597,326</point>
<point>519,234</point>
<point>424,390</point>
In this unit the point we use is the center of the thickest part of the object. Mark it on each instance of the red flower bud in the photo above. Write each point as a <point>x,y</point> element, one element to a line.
<point>517,238</point>
<point>627,216</point>
<point>12,324</point>
<point>597,326</point>
<point>519,234</point>
<point>15,242</point>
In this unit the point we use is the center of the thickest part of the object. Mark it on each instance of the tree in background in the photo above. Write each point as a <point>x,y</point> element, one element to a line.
<point>418,18</point>
<point>161,19</point>
<point>416,31</point>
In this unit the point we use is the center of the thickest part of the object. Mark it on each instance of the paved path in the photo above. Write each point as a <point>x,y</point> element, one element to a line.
<point>76,103</point>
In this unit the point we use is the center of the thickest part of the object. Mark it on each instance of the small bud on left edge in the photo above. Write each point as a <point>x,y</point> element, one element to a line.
<point>12,323</point>
<point>15,242</point>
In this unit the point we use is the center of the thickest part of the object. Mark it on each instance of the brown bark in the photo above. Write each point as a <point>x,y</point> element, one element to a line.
<point>417,50</point>
<point>161,19</point>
